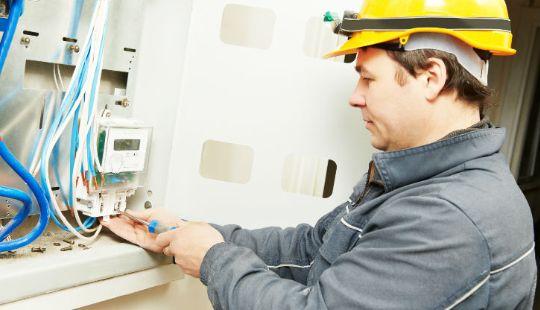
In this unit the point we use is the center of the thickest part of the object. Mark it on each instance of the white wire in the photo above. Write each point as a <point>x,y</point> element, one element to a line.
<point>85,118</point>
<point>47,179</point>
<point>80,158</point>
<point>60,78</point>
<point>55,78</point>
<point>47,117</point>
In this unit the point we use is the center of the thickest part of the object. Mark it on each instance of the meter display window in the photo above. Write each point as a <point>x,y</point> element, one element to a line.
<point>127,144</point>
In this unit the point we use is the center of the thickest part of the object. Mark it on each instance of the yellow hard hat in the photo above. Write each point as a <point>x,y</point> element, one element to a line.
<point>482,24</point>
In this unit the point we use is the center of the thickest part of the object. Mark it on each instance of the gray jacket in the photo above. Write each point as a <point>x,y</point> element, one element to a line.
<point>435,227</point>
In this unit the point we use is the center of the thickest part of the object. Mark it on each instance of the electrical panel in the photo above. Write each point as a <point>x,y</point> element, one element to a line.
<point>49,39</point>
<point>66,114</point>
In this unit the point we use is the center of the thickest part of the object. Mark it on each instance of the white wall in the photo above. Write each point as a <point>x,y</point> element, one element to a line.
<point>157,90</point>
<point>279,102</point>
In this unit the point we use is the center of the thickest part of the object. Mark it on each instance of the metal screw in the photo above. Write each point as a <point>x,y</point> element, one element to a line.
<point>56,244</point>
<point>83,246</point>
<point>38,249</point>
<point>147,204</point>
<point>74,48</point>
<point>69,241</point>
<point>25,40</point>
<point>124,102</point>
<point>68,248</point>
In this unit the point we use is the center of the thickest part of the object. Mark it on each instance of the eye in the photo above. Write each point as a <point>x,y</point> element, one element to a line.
<point>366,79</point>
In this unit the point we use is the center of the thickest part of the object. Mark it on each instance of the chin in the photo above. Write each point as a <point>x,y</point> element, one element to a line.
<point>379,145</point>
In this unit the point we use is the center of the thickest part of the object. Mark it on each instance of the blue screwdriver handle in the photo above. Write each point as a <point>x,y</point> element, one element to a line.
<point>155,227</point>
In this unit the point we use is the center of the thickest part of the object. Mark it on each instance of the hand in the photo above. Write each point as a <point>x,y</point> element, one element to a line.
<point>138,233</point>
<point>189,244</point>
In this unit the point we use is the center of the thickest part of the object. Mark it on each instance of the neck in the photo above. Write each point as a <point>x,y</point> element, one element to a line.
<point>444,118</point>
<point>450,116</point>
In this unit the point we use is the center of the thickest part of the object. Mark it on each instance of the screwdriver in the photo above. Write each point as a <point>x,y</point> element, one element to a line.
<point>154,226</point>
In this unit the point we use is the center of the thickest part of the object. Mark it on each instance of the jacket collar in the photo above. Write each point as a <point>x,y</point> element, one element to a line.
<point>401,168</point>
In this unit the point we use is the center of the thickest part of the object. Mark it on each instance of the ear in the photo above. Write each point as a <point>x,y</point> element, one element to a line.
<point>434,78</point>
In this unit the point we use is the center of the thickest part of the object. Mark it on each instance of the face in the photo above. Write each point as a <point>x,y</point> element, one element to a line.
<point>394,114</point>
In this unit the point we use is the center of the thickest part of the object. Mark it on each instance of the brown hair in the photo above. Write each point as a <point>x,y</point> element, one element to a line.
<point>466,86</point>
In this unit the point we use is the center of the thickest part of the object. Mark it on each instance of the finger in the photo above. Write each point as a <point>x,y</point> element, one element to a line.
<point>167,251</point>
<point>142,214</point>
<point>164,239</point>
<point>103,222</point>
<point>106,222</point>
<point>125,229</point>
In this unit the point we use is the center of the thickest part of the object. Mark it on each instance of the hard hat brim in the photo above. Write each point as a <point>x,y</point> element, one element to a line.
<point>492,41</point>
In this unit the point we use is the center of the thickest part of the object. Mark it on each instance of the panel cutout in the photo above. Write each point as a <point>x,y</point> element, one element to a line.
<point>226,162</point>
<point>39,75</point>
<point>247,26</point>
<point>309,176</point>
<point>320,39</point>
<point>31,33</point>
<point>72,40</point>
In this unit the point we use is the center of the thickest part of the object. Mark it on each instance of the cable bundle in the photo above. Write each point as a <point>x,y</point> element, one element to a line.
<point>78,109</point>
<point>21,196</point>
<point>8,27</point>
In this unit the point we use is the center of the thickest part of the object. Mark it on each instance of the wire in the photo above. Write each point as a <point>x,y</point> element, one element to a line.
<point>47,115</point>
<point>12,162</point>
<point>60,77</point>
<point>15,12</point>
<point>21,215</point>
<point>87,121</point>
<point>78,108</point>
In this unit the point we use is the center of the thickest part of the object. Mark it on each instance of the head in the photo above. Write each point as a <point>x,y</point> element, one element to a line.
<point>413,98</point>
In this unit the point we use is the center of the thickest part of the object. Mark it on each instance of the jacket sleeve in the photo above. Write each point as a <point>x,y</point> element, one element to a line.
<point>410,258</point>
<point>288,252</point>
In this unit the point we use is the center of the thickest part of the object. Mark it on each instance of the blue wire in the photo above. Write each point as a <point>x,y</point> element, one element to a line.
<point>21,215</point>
<point>42,131</point>
<point>15,12</point>
<point>38,194</point>
<point>54,126</point>
<point>73,150</point>
<point>89,153</point>
<point>65,109</point>
<point>93,102</point>
<point>72,95</point>
<point>56,123</point>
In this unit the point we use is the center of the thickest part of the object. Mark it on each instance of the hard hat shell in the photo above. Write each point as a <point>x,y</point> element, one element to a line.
<point>496,41</point>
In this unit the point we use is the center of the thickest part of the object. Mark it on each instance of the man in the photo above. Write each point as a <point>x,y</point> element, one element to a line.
<point>437,222</point>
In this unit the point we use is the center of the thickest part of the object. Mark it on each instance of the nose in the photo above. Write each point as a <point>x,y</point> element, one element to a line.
<point>358,99</point>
